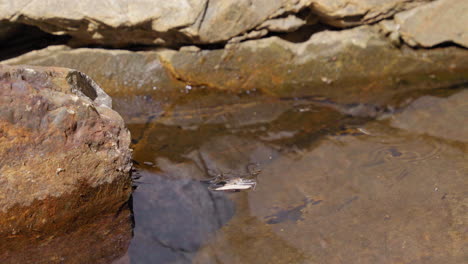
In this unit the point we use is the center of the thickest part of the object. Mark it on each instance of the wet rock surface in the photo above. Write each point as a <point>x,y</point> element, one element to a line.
<point>65,156</point>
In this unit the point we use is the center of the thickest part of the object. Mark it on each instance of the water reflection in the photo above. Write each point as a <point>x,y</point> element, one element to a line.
<point>334,188</point>
<point>174,218</point>
<point>103,240</point>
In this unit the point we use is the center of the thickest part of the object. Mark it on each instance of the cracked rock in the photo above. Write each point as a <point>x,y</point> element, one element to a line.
<point>438,22</point>
<point>64,154</point>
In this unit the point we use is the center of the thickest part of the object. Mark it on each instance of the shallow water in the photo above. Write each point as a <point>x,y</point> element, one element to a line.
<point>333,188</point>
<point>338,184</point>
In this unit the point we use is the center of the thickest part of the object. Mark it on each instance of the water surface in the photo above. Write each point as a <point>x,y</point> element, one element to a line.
<point>334,188</point>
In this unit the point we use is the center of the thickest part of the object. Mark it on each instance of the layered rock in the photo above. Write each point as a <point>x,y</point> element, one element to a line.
<point>191,21</point>
<point>147,22</point>
<point>358,65</point>
<point>131,78</point>
<point>355,65</point>
<point>346,13</point>
<point>120,72</point>
<point>65,156</point>
<point>442,21</point>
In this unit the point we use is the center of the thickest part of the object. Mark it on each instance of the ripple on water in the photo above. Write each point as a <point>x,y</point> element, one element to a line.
<point>401,151</point>
<point>381,200</point>
<point>390,195</point>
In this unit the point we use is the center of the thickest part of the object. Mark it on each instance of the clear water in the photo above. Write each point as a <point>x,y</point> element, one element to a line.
<point>333,188</point>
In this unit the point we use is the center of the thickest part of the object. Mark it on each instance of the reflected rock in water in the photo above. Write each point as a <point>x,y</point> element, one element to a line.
<point>174,218</point>
<point>440,117</point>
<point>233,155</point>
<point>102,241</point>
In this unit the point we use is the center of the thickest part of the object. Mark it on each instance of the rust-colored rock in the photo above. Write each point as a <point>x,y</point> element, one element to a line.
<point>102,241</point>
<point>64,153</point>
<point>348,66</point>
<point>358,65</point>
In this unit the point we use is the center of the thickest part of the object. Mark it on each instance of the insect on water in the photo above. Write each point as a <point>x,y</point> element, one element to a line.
<point>235,182</point>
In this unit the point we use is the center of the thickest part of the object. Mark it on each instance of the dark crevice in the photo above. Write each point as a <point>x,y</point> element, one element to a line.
<point>23,39</point>
<point>406,48</point>
<point>308,15</point>
<point>143,47</point>
<point>303,33</point>
<point>353,19</point>
<point>445,44</point>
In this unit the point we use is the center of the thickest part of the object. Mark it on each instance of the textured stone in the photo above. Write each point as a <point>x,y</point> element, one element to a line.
<point>286,24</point>
<point>357,65</point>
<point>349,66</point>
<point>345,13</point>
<point>226,19</point>
<point>109,235</point>
<point>147,22</point>
<point>120,72</point>
<point>133,79</point>
<point>435,23</point>
<point>104,22</point>
<point>170,23</point>
<point>64,153</point>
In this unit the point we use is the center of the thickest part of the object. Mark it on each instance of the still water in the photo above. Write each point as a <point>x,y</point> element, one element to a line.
<point>381,186</point>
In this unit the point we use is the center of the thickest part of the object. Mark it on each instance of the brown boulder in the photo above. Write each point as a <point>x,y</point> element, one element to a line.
<point>65,156</point>
<point>103,241</point>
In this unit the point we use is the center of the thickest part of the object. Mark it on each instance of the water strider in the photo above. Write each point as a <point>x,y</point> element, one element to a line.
<point>235,182</point>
